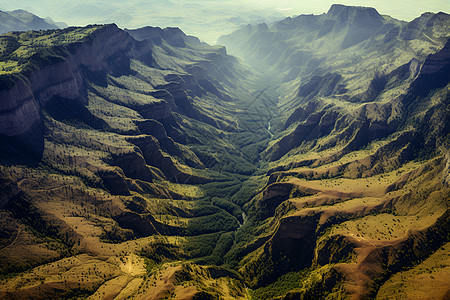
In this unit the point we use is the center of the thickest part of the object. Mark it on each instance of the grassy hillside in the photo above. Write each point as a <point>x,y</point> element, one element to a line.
<point>159,148</point>
<point>356,167</point>
<point>30,50</point>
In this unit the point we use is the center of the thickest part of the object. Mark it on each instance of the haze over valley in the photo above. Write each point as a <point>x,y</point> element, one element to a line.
<point>205,19</point>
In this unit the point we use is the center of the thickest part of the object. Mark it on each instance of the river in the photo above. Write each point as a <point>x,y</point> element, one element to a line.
<point>269,130</point>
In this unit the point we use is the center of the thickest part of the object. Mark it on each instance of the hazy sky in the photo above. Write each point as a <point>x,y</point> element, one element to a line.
<point>206,19</point>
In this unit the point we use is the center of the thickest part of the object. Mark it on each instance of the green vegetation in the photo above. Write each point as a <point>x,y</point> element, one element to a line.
<point>286,283</point>
<point>22,52</point>
<point>201,245</point>
<point>75,294</point>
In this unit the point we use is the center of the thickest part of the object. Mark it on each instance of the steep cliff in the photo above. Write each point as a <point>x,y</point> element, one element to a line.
<point>95,120</point>
<point>363,99</point>
<point>327,74</point>
<point>57,71</point>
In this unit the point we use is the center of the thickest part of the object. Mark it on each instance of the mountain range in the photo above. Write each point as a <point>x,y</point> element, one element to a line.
<point>304,159</point>
<point>21,20</point>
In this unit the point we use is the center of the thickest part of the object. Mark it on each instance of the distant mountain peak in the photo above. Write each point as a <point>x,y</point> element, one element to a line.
<point>263,27</point>
<point>172,35</point>
<point>22,20</point>
<point>20,11</point>
<point>339,8</point>
<point>343,13</point>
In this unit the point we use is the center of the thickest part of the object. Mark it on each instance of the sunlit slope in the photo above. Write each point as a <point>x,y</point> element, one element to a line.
<point>124,141</point>
<point>330,65</point>
<point>358,174</point>
<point>147,164</point>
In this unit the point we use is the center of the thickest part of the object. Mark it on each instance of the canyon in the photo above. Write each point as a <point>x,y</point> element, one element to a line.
<point>304,159</point>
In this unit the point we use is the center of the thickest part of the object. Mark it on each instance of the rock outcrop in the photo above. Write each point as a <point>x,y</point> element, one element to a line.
<point>8,191</point>
<point>28,92</point>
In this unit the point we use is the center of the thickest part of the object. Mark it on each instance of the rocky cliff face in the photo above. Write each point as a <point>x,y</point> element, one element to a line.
<point>8,191</point>
<point>22,103</point>
<point>64,82</point>
<point>434,73</point>
<point>346,119</point>
<point>313,84</point>
<point>172,35</point>
<point>105,51</point>
<point>20,111</point>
